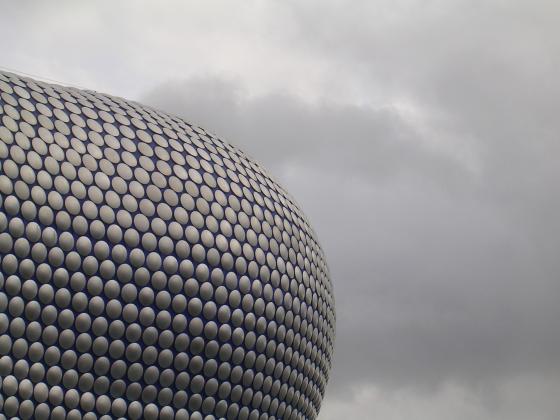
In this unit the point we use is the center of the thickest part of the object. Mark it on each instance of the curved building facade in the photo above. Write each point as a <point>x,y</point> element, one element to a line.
<point>149,270</point>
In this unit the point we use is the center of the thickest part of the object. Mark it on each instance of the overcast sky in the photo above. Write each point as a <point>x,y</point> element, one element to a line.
<point>422,139</point>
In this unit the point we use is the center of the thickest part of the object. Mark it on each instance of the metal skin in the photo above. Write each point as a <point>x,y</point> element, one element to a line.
<point>149,270</point>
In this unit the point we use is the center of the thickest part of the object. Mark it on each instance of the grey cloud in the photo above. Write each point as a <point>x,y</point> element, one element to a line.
<point>281,130</point>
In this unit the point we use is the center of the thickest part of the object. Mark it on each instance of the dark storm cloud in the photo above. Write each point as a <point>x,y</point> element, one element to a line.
<point>284,130</point>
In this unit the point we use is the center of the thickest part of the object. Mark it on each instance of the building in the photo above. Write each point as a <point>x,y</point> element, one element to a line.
<point>149,269</point>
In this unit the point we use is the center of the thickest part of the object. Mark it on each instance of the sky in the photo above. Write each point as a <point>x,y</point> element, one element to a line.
<point>421,137</point>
